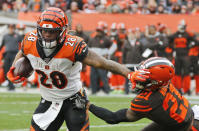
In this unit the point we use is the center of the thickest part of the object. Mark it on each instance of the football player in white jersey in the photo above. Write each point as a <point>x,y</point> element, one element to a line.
<point>57,57</point>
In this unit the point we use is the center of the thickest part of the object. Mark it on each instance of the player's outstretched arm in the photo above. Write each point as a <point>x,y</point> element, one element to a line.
<point>98,61</point>
<point>122,115</point>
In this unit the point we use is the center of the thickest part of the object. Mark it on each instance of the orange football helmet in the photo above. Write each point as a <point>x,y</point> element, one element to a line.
<point>161,71</point>
<point>52,20</point>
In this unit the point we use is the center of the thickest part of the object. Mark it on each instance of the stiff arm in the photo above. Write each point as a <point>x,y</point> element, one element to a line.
<point>122,115</point>
<point>98,61</point>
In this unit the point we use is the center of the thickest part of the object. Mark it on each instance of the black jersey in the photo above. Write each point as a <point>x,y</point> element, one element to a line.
<point>167,107</point>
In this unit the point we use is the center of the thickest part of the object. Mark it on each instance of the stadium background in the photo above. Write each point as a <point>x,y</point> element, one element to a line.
<point>17,107</point>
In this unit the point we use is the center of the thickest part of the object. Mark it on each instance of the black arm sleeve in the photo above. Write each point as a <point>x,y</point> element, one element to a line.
<point>81,51</point>
<point>109,116</point>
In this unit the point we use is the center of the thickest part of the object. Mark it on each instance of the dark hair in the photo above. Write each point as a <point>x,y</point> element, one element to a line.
<point>11,26</point>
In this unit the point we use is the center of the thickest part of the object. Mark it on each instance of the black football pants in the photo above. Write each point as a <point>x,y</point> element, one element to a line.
<point>76,119</point>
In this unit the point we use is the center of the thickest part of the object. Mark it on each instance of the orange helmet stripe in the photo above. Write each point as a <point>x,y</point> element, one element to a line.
<point>54,15</point>
<point>62,15</point>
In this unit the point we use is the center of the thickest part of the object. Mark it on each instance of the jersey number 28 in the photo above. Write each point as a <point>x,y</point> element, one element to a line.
<point>58,79</point>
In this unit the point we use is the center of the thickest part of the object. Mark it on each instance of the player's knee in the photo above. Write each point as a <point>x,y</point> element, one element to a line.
<point>78,119</point>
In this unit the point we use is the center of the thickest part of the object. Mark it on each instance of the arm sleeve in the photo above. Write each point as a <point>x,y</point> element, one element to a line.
<point>109,116</point>
<point>81,51</point>
<point>140,105</point>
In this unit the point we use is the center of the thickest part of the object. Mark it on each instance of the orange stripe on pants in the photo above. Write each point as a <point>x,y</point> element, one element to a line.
<point>32,129</point>
<point>86,126</point>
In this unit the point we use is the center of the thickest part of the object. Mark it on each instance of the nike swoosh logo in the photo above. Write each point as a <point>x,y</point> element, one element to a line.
<point>137,100</point>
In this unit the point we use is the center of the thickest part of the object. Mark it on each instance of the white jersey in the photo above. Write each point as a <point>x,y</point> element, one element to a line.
<point>59,74</point>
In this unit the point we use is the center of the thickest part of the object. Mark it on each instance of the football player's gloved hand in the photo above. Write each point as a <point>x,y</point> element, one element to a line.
<point>12,78</point>
<point>80,100</point>
<point>138,76</point>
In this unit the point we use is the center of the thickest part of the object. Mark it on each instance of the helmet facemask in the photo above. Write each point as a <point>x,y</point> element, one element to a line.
<point>151,85</point>
<point>50,43</point>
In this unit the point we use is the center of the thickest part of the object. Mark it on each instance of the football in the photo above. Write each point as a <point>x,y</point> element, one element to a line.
<point>23,67</point>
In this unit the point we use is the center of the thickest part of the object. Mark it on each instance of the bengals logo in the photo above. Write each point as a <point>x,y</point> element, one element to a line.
<point>47,26</point>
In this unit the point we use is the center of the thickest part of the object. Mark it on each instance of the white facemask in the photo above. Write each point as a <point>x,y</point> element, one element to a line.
<point>49,45</point>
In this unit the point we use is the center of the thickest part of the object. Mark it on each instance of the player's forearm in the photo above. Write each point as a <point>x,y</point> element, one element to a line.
<point>109,116</point>
<point>115,67</point>
<point>98,61</point>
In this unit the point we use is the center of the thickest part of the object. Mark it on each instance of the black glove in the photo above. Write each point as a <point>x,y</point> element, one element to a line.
<point>79,100</point>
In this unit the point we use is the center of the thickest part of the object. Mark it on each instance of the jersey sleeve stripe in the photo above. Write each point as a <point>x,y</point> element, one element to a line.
<point>75,46</point>
<point>139,106</point>
<point>141,110</point>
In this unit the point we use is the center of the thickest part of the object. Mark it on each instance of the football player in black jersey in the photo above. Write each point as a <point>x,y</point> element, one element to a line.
<point>157,100</point>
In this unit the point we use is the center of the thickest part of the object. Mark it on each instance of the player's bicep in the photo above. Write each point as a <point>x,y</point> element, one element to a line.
<point>132,116</point>
<point>93,59</point>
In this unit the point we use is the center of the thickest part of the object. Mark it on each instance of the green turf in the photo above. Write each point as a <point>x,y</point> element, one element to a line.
<point>16,111</point>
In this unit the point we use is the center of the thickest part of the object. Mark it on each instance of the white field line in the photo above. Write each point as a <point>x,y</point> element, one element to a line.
<point>18,96</point>
<point>29,95</point>
<point>192,101</point>
<point>30,112</point>
<point>92,126</point>
<point>22,103</point>
<point>37,102</point>
<point>98,103</point>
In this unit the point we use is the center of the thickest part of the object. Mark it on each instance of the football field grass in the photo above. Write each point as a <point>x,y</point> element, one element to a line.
<point>16,110</point>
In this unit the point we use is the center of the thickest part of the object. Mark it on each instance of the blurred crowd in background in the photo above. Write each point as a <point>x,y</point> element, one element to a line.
<point>116,42</point>
<point>131,46</point>
<point>126,46</point>
<point>105,6</point>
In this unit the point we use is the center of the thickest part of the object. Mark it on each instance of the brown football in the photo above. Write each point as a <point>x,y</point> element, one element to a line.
<point>23,67</point>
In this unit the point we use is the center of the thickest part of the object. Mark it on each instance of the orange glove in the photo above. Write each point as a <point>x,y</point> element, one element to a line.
<point>12,78</point>
<point>139,75</point>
